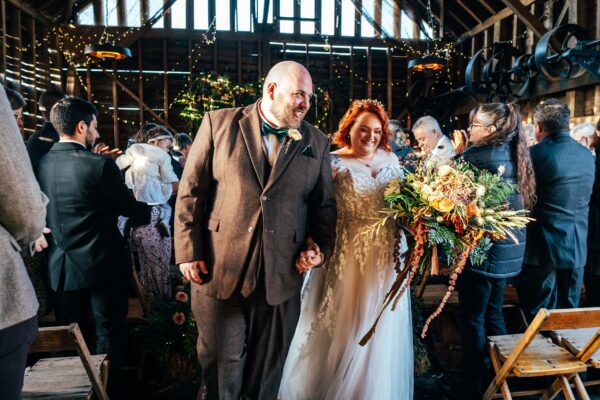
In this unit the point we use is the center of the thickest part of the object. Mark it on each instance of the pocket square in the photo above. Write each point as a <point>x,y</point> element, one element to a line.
<point>308,151</point>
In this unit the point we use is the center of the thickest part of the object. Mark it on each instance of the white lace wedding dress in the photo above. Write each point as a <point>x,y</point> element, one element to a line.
<point>340,302</point>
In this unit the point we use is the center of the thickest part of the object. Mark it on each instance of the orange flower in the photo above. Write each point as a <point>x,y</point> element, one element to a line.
<point>472,210</point>
<point>178,318</point>
<point>181,296</point>
<point>443,205</point>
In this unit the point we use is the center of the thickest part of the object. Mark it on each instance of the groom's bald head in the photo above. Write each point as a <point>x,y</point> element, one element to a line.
<point>287,92</point>
<point>284,71</point>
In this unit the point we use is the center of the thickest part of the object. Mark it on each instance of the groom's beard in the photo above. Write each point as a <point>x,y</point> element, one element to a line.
<point>285,113</point>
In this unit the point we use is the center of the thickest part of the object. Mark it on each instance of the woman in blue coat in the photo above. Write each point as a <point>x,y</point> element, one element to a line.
<point>497,145</point>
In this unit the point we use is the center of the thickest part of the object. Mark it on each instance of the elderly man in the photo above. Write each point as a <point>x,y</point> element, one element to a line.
<point>556,241</point>
<point>436,147</point>
<point>22,218</point>
<point>255,209</point>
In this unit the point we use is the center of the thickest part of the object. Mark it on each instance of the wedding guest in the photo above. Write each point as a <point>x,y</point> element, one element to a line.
<point>88,264</point>
<point>556,240</point>
<point>584,133</point>
<point>435,146</point>
<point>17,104</point>
<point>398,141</point>
<point>40,142</point>
<point>22,218</point>
<point>410,138</point>
<point>342,298</point>
<point>498,145</point>
<point>256,185</point>
<point>149,174</point>
<point>592,266</point>
<point>181,147</point>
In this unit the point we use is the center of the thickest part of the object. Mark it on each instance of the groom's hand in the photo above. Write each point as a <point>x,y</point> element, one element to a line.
<point>309,258</point>
<point>189,270</point>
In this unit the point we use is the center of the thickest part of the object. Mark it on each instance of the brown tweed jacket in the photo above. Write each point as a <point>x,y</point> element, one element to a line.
<point>231,213</point>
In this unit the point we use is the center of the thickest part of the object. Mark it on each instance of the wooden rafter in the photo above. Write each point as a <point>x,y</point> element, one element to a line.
<point>469,11</point>
<point>526,16</point>
<point>23,6</point>
<point>487,6</point>
<point>507,12</point>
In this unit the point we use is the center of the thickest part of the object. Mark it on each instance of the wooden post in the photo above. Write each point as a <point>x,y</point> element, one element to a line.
<point>215,57</point>
<point>497,32</point>
<point>99,16</point>
<point>145,14</point>
<point>397,21</point>
<point>115,109</point>
<point>442,19</point>
<point>167,18</point>
<point>389,80</point>
<point>140,81</point>
<point>88,82</point>
<point>239,62</point>
<point>121,13</point>
<point>357,17</point>
<point>377,18</point>
<point>369,77</point>
<point>34,62</point>
<point>351,73</point>
<point>165,80</point>
<point>18,53</point>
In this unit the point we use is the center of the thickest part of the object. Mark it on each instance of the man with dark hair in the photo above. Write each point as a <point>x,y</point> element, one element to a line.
<point>88,265</point>
<point>40,142</point>
<point>556,241</point>
<point>17,104</point>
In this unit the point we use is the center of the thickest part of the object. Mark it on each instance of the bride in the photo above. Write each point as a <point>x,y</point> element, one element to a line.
<point>340,300</point>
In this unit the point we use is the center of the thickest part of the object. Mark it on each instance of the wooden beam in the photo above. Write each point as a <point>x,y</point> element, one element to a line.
<point>489,22</point>
<point>527,17</point>
<point>26,8</point>
<point>239,62</point>
<point>577,13</point>
<point>88,83</point>
<point>460,21</point>
<point>369,73</point>
<point>351,73</point>
<point>121,13</point>
<point>116,135</point>
<point>140,99</point>
<point>485,4</point>
<point>469,11</point>
<point>136,98</point>
<point>377,17</point>
<point>165,79</point>
<point>99,17</point>
<point>442,20</point>
<point>397,21</point>
<point>34,61</point>
<point>389,80</point>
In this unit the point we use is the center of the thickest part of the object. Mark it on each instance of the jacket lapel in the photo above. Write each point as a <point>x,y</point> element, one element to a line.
<point>250,128</point>
<point>286,155</point>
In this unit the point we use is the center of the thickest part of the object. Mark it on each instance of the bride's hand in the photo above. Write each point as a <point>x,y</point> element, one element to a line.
<point>309,258</point>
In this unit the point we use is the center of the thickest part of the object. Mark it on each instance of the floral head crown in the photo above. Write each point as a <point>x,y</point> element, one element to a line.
<point>367,102</point>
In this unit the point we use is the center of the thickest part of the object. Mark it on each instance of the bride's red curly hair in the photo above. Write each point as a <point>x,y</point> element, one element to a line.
<point>357,107</point>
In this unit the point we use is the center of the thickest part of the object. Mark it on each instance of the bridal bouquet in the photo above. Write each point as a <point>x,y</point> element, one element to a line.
<point>456,207</point>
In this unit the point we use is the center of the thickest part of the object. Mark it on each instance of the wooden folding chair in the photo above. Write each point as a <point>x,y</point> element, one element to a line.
<point>65,377</point>
<point>531,354</point>
<point>583,344</point>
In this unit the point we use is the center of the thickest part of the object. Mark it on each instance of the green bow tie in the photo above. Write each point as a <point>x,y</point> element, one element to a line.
<point>266,129</point>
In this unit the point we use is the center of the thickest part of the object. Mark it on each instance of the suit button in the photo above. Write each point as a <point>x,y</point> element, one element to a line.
<point>263,198</point>
<point>251,229</point>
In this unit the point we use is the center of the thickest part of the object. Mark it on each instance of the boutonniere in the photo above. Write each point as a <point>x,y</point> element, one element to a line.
<point>293,134</point>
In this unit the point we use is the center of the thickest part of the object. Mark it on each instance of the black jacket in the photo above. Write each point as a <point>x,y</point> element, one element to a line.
<point>86,193</point>
<point>41,142</point>
<point>505,257</point>
<point>564,175</point>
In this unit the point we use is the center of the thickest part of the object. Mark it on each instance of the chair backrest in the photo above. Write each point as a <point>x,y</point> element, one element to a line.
<point>62,338</point>
<point>573,318</point>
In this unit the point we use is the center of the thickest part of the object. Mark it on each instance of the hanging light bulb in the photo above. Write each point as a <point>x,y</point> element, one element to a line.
<point>428,62</point>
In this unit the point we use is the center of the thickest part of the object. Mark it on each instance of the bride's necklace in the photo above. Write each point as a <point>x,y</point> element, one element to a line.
<point>367,163</point>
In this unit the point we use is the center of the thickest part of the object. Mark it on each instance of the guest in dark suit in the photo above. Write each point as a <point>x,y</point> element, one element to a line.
<point>592,266</point>
<point>257,185</point>
<point>17,104</point>
<point>557,240</point>
<point>88,265</point>
<point>497,145</point>
<point>40,142</point>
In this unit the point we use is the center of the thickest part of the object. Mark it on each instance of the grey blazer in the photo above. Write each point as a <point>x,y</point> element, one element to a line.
<point>22,218</point>
<point>231,213</point>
